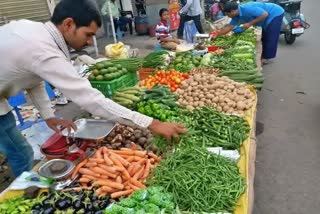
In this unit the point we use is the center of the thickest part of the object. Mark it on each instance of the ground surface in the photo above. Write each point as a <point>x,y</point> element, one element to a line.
<point>287,167</point>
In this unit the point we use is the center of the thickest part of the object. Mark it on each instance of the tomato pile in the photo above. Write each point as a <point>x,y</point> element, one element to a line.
<point>171,78</point>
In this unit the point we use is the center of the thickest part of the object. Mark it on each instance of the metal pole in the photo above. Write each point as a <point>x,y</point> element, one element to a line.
<point>95,44</point>
<point>112,24</point>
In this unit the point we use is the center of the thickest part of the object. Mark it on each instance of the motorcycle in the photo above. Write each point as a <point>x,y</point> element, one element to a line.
<point>293,23</point>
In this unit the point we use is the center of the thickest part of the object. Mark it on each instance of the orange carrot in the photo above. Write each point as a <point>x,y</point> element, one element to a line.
<point>117,168</point>
<point>147,169</point>
<point>102,194</point>
<point>89,177</point>
<point>137,183</point>
<point>98,154</point>
<point>91,164</point>
<point>155,157</point>
<point>119,179</point>
<point>134,158</point>
<point>121,193</point>
<point>110,169</point>
<point>123,161</point>
<point>109,184</point>
<point>96,160</point>
<point>107,159</point>
<point>84,180</point>
<point>134,187</point>
<point>130,168</point>
<point>142,161</point>
<point>116,161</point>
<point>104,177</point>
<point>85,171</point>
<point>105,150</point>
<point>109,189</point>
<point>125,149</point>
<point>135,169</point>
<point>139,173</point>
<point>127,187</point>
<point>99,191</point>
<point>130,152</point>
<point>76,170</point>
<point>101,171</point>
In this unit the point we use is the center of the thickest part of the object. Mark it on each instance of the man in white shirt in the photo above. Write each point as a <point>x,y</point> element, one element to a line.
<point>31,52</point>
<point>191,10</point>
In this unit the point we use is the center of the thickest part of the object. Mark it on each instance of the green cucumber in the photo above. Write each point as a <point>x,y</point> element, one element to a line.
<point>134,88</point>
<point>127,96</point>
<point>122,100</point>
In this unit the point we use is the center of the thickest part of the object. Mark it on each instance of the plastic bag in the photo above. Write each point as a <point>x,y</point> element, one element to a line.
<point>116,51</point>
<point>190,30</point>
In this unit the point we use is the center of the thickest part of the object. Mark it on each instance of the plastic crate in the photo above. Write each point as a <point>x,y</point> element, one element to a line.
<point>145,72</point>
<point>108,88</point>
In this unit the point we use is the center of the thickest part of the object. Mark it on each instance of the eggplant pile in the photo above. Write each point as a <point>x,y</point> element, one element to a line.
<point>85,201</point>
<point>126,136</point>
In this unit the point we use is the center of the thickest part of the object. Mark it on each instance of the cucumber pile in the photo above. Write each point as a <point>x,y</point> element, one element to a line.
<point>106,71</point>
<point>128,97</point>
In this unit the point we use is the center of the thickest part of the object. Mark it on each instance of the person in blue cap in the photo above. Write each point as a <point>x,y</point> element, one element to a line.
<point>266,15</point>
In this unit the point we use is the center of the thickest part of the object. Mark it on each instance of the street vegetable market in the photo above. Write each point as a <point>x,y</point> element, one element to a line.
<point>127,169</point>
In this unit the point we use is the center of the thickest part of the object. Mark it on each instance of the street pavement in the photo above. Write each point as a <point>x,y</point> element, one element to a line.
<point>288,149</point>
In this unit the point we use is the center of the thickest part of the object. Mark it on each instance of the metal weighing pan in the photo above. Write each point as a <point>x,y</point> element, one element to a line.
<point>91,129</point>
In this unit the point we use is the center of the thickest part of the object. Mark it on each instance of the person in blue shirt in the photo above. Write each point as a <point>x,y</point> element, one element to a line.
<point>266,15</point>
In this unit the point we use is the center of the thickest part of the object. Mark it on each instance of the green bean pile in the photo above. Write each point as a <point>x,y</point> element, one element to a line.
<point>210,128</point>
<point>199,180</point>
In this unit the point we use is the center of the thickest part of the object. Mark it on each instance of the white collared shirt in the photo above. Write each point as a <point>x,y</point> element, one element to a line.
<point>31,52</point>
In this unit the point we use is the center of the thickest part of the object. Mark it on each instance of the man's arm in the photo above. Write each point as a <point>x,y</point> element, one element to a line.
<point>40,99</point>
<point>226,29</point>
<point>185,8</point>
<point>258,12</point>
<point>256,20</point>
<point>61,74</point>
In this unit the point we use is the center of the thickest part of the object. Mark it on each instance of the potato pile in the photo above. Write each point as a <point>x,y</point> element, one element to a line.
<point>204,70</point>
<point>221,93</point>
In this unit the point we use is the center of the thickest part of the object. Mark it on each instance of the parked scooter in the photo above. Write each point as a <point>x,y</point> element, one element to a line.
<point>294,23</point>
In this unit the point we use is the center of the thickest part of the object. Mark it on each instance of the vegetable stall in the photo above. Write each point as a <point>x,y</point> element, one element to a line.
<point>128,169</point>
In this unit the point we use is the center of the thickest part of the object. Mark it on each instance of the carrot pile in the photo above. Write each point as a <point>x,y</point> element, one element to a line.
<point>116,172</point>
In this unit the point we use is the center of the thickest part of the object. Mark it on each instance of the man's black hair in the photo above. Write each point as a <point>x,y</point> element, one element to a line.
<point>83,12</point>
<point>162,11</point>
<point>230,6</point>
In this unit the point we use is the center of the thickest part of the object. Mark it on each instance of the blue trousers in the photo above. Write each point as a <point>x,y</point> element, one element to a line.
<point>14,145</point>
<point>270,37</point>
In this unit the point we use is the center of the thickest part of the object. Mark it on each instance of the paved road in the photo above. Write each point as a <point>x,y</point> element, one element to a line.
<point>288,154</point>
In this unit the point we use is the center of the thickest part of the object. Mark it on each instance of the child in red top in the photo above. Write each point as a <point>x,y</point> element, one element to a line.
<point>163,31</point>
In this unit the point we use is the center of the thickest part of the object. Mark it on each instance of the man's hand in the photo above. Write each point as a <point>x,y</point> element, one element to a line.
<point>167,130</point>
<point>246,25</point>
<point>53,124</point>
